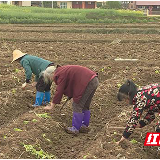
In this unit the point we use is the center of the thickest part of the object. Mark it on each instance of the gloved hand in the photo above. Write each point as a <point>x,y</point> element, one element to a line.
<point>24,85</point>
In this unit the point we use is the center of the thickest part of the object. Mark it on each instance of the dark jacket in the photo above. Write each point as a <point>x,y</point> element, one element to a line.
<point>71,80</point>
<point>33,64</point>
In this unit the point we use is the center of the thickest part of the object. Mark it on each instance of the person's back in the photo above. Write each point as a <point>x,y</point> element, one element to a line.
<point>146,99</point>
<point>75,78</point>
<point>35,65</point>
<point>79,83</point>
<point>149,97</point>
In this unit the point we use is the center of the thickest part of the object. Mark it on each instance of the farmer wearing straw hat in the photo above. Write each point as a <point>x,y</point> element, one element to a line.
<point>35,65</point>
<point>79,83</point>
<point>146,99</point>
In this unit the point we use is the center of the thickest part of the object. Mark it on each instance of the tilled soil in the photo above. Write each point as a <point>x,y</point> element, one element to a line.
<point>21,125</point>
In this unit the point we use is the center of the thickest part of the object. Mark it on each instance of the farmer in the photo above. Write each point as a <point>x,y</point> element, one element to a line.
<point>35,65</point>
<point>146,99</point>
<point>79,83</point>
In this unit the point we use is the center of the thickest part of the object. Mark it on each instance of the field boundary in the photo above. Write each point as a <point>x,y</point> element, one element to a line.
<point>79,41</point>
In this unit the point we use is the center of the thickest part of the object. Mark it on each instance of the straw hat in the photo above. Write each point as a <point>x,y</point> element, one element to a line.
<point>17,54</point>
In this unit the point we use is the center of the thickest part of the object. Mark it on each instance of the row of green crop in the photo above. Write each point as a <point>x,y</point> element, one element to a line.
<point>84,21</point>
<point>14,14</point>
<point>153,30</point>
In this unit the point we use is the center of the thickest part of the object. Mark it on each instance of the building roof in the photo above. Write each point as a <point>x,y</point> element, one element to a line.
<point>148,3</point>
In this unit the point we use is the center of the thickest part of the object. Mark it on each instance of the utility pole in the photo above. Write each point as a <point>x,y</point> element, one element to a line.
<point>52,4</point>
<point>42,4</point>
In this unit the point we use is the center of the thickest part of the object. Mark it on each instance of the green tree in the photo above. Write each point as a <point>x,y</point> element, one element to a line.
<point>48,4</point>
<point>112,5</point>
<point>99,4</point>
<point>55,4</point>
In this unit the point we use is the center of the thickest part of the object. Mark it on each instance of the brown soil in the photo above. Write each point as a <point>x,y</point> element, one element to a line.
<point>95,51</point>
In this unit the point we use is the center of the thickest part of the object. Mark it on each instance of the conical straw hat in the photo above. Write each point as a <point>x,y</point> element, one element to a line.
<point>17,54</point>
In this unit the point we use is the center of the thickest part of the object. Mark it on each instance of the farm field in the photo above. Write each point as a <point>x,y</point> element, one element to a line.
<point>24,131</point>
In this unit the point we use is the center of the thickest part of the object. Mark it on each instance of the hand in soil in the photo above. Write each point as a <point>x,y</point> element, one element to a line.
<point>24,85</point>
<point>118,142</point>
<point>50,106</point>
<point>121,140</point>
<point>138,126</point>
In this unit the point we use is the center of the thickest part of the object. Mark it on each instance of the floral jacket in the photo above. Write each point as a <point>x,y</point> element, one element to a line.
<point>146,100</point>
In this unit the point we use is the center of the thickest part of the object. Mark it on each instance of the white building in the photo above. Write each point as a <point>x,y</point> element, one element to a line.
<point>5,2</point>
<point>18,3</point>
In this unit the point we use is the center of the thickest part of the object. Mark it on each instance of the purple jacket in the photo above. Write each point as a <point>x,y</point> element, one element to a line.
<point>71,80</point>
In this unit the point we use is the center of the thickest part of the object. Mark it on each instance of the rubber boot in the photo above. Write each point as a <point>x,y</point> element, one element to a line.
<point>39,99</point>
<point>76,123</point>
<point>47,97</point>
<point>85,123</point>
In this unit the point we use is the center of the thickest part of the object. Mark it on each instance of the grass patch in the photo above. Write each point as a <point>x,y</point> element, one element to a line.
<point>36,15</point>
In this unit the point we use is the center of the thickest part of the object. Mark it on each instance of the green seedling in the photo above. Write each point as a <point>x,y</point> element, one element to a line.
<point>39,154</point>
<point>17,129</point>
<point>119,85</point>
<point>138,86</point>
<point>4,137</point>
<point>44,115</point>
<point>16,78</point>
<point>34,120</point>
<point>133,79</point>
<point>102,70</point>
<point>13,91</point>
<point>133,141</point>
<point>156,71</point>
<point>25,122</point>
<point>123,113</point>
<point>114,140</point>
<point>114,133</point>
<point>44,136</point>
<point>17,70</point>
<point>85,156</point>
